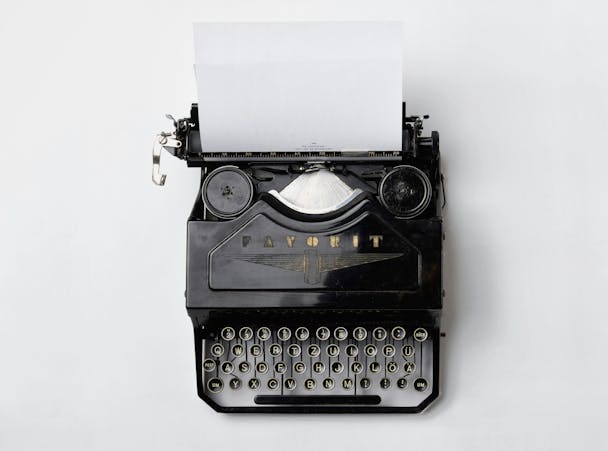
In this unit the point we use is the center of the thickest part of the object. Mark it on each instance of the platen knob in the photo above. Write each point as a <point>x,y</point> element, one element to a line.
<point>405,191</point>
<point>227,192</point>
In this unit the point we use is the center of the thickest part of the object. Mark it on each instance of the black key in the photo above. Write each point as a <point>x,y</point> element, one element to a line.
<point>215,385</point>
<point>217,350</point>
<point>273,384</point>
<point>365,383</point>
<point>337,367</point>
<point>421,334</point>
<point>407,351</point>
<point>280,367</point>
<point>237,350</point>
<point>290,384</point>
<point>323,333</point>
<point>379,333</point>
<point>333,350</point>
<point>318,367</point>
<point>209,365</point>
<point>310,384</point>
<point>227,367</point>
<point>284,334</point>
<point>328,383</point>
<point>264,333</point>
<point>235,383</point>
<point>421,384</point>
<point>244,367</point>
<point>317,399</point>
<point>356,367</point>
<point>302,333</point>
<point>254,383</point>
<point>398,333</point>
<point>262,367</point>
<point>409,367</point>
<point>340,333</point>
<point>299,367</point>
<point>246,333</point>
<point>360,333</point>
<point>392,367</point>
<point>275,349</point>
<point>347,384</point>
<point>374,367</point>
<point>227,333</point>
<point>385,383</point>
<point>402,382</point>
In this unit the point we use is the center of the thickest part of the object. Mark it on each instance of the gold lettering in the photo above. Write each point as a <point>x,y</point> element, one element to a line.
<point>334,241</point>
<point>268,241</point>
<point>290,240</point>
<point>375,239</point>
<point>312,241</point>
<point>355,240</point>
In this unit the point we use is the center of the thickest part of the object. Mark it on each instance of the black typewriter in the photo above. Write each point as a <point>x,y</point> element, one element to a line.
<point>314,278</point>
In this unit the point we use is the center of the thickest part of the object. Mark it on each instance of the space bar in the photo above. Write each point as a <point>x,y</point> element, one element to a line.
<point>346,399</point>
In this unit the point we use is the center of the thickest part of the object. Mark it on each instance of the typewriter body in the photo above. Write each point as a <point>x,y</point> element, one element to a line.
<point>314,279</point>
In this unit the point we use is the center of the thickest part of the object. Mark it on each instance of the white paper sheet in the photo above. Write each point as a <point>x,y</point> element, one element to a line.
<point>299,86</point>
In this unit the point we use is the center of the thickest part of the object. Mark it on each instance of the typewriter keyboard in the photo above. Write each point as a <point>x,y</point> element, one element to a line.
<point>321,365</point>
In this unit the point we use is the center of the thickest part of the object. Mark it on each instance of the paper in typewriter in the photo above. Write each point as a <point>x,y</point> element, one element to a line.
<point>303,86</point>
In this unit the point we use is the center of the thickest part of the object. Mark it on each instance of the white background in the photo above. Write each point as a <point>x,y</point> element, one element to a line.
<point>96,349</point>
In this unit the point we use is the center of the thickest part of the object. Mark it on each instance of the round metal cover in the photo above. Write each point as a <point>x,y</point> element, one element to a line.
<point>405,191</point>
<point>227,191</point>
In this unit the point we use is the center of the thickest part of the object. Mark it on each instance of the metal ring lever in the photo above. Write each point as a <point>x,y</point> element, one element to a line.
<point>162,140</point>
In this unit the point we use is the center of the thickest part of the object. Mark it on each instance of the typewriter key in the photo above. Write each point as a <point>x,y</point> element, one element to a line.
<point>263,333</point>
<point>299,367</point>
<point>244,367</point>
<point>273,384</point>
<point>374,367</point>
<point>405,191</point>
<point>209,365</point>
<point>409,367</point>
<point>351,350</point>
<point>313,350</point>
<point>407,351</point>
<point>275,350</point>
<point>246,333</point>
<point>261,367</point>
<point>323,333</point>
<point>302,333</point>
<point>347,384</point>
<point>215,385</point>
<point>370,350</point>
<point>284,334</point>
<point>294,350</point>
<point>227,367</point>
<point>392,367</point>
<point>280,367</point>
<point>398,333</point>
<point>217,350</point>
<point>379,333</point>
<point>421,334</point>
<point>254,383</point>
<point>235,383</point>
<point>402,382</point>
<point>256,350</point>
<point>337,367</point>
<point>290,384</point>
<point>318,367</point>
<point>328,383</point>
<point>227,333</point>
<point>360,333</point>
<point>237,350</point>
<point>333,350</point>
<point>356,367</point>
<point>310,384</point>
<point>421,384</point>
<point>365,383</point>
<point>340,333</point>
<point>227,192</point>
<point>385,383</point>
<point>388,351</point>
